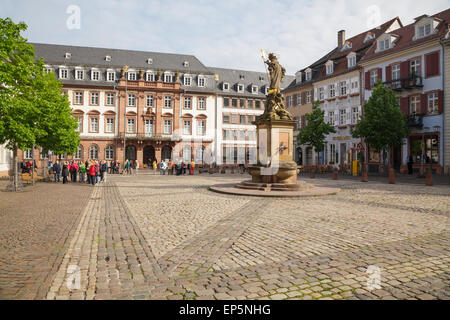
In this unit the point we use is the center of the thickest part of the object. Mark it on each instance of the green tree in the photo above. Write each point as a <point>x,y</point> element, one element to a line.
<point>313,134</point>
<point>33,112</point>
<point>383,125</point>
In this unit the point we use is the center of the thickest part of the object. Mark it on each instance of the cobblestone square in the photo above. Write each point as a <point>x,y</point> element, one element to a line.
<point>169,237</point>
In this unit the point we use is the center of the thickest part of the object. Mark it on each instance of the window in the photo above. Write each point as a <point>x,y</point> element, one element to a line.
<point>93,152</point>
<point>332,90</point>
<point>234,118</point>
<point>79,153</point>
<point>149,61</point>
<point>149,127</point>
<point>94,124</point>
<point>352,61</point>
<point>79,74</point>
<point>95,75</point>
<point>80,124</point>
<point>167,101</point>
<point>240,88</point>
<point>342,117</point>
<point>332,153</point>
<point>395,70</point>
<point>109,153</point>
<point>149,101</point>
<point>186,64</point>
<point>234,103</point>
<point>187,81</point>
<point>414,67</point>
<point>249,119</point>
<point>47,70</point>
<point>242,103</point>
<point>254,89</point>
<point>424,30</point>
<point>290,101</point>
<point>109,125</point>
<point>354,85</point>
<point>414,104</point>
<point>373,78</point>
<point>201,81</point>
<point>225,86</point>
<point>226,118</point>
<point>308,96</point>
<point>201,103</point>
<point>167,126</point>
<point>28,154</point>
<point>131,100</point>
<point>384,44</point>
<point>242,119</point>
<point>150,76</point>
<point>355,115</point>
<point>298,99</point>
<point>132,76</point>
<point>257,104</point>
<point>168,77</point>
<point>226,102</point>
<point>330,68</point>
<point>331,118</point>
<point>78,97</point>
<point>64,73</point>
<point>187,127</point>
<point>201,130</point>
<point>321,94</point>
<point>130,125</point>
<point>187,102</point>
<point>111,76</point>
<point>187,153</point>
<point>342,88</point>
<point>110,99</point>
<point>308,74</point>
<point>108,58</point>
<point>94,98</point>
<point>433,102</point>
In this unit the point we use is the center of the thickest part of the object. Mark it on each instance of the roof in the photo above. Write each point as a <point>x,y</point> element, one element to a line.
<point>339,57</point>
<point>95,57</point>
<point>234,77</point>
<point>405,36</point>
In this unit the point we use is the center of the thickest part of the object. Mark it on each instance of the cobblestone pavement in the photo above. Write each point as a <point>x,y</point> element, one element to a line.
<point>34,227</point>
<point>168,237</point>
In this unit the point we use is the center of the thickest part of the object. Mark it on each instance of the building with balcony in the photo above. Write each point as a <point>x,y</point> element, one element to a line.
<point>409,60</point>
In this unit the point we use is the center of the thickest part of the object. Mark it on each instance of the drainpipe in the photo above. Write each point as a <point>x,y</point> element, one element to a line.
<point>443,137</point>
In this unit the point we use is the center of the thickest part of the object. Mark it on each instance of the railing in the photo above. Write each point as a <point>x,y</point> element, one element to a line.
<point>411,82</point>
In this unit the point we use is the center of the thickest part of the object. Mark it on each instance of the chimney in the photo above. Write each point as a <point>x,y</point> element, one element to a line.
<point>341,38</point>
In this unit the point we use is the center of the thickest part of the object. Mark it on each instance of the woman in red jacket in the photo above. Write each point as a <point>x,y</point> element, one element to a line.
<point>92,173</point>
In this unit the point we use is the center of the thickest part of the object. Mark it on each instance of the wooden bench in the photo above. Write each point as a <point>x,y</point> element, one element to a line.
<point>28,178</point>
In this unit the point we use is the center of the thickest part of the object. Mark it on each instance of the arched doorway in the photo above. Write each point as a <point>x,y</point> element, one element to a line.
<point>131,153</point>
<point>166,153</point>
<point>149,154</point>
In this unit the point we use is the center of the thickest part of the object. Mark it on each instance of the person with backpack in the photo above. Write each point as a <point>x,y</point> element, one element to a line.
<point>92,173</point>
<point>57,171</point>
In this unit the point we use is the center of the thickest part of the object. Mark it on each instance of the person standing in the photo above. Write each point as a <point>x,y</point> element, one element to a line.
<point>105,171</point>
<point>57,171</point>
<point>154,165</point>
<point>410,164</point>
<point>192,167</point>
<point>75,171</point>
<point>92,173</point>
<point>65,172</point>
<point>137,167</point>
<point>82,171</point>
<point>161,167</point>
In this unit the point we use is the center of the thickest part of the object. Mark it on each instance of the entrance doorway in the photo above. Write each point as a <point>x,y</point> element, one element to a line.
<point>131,153</point>
<point>166,153</point>
<point>343,153</point>
<point>149,154</point>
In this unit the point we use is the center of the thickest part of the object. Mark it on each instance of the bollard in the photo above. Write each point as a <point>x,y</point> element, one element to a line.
<point>429,178</point>
<point>391,176</point>
<point>335,174</point>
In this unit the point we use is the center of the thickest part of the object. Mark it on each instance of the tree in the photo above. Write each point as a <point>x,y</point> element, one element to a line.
<point>32,109</point>
<point>313,134</point>
<point>383,125</point>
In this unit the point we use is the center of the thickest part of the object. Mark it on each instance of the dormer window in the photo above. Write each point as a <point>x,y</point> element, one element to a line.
<point>95,75</point>
<point>240,88</point>
<point>308,74</point>
<point>424,30</point>
<point>187,80</point>
<point>225,86</point>
<point>241,76</point>
<point>347,45</point>
<point>351,60</point>
<point>186,64</point>
<point>254,89</point>
<point>266,90</point>
<point>369,36</point>
<point>132,76</point>
<point>111,76</point>
<point>79,74</point>
<point>67,55</point>
<point>63,73</point>
<point>329,67</point>
<point>384,44</point>
<point>108,58</point>
<point>168,77</point>
<point>298,77</point>
<point>201,81</point>
<point>149,61</point>
<point>48,70</point>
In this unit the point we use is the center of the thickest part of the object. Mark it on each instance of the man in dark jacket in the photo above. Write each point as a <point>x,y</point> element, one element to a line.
<point>57,171</point>
<point>65,172</point>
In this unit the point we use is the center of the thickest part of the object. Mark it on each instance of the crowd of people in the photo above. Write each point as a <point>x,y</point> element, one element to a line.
<point>91,172</point>
<point>170,167</point>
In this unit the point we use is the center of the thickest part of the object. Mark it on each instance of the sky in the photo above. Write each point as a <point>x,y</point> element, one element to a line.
<point>227,34</point>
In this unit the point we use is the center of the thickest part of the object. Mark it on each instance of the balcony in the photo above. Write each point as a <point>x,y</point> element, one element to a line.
<point>411,82</point>
<point>415,120</point>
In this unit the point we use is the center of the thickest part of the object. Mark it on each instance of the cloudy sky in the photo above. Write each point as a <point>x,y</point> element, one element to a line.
<point>225,34</point>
